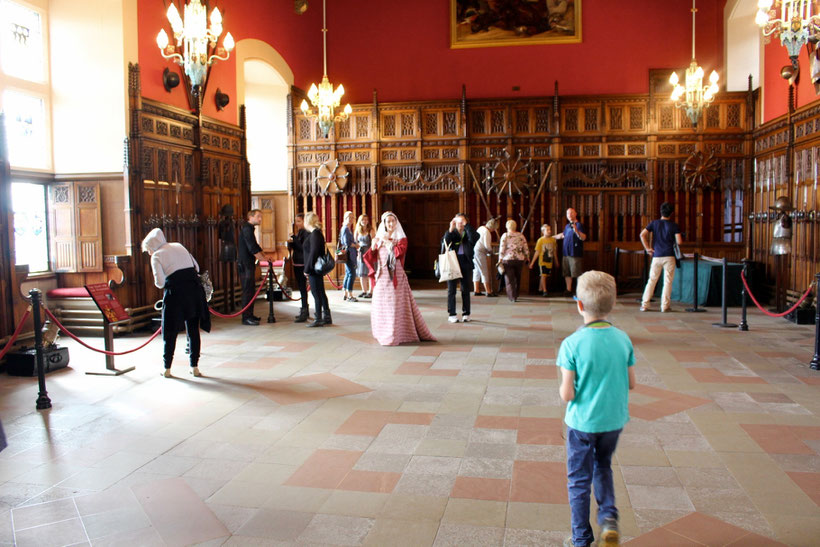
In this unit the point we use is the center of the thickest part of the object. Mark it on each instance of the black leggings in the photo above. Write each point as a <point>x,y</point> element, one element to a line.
<point>247,279</point>
<point>301,282</point>
<point>194,342</point>
<point>317,287</point>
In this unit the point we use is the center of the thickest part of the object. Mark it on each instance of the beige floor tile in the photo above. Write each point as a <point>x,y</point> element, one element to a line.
<point>684,458</point>
<point>336,530</point>
<point>355,504</point>
<point>476,512</point>
<point>632,456</point>
<point>412,507</point>
<point>243,494</point>
<point>794,529</point>
<point>297,498</point>
<point>266,473</point>
<point>67,532</point>
<point>453,535</point>
<point>402,533</point>
<point>538,516</point>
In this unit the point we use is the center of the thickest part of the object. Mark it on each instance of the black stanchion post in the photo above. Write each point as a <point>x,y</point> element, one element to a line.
<point>43,401</point>
<point>271,318</point>
<point>695,307</point>
<point>815,362</point>
<point>723,306</point>
<point>744,326</point>
<point>617,262</point>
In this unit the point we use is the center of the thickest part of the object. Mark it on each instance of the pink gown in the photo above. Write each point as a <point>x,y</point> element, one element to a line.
<point>395,317</point>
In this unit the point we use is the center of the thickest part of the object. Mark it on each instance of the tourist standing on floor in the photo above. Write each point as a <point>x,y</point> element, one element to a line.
<point>296,244</point>
<point>348,242</point>
<point>482,253</point>
<point>512,255</point>
<point>665,234</point>
<point>183,298</point>
<point>461,238</point>
<point>574,236</point>
<point>596,376</point>
<point>364,233</point>
<point>545,255</point>
<point>314,248</point>
<point>249,252</point>
<point>395,318</point>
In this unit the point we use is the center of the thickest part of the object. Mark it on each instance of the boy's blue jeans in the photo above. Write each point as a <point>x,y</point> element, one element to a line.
<point>589,459</point>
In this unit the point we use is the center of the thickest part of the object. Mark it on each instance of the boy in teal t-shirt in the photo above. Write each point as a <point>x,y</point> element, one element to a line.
<point>596,376</point>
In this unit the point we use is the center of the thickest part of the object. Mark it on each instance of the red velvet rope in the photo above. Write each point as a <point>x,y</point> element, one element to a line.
<point>73,337</point>
<point>251,303</point>
<point>334,285</point>
<point>14,336</point>
<point>770,314</point>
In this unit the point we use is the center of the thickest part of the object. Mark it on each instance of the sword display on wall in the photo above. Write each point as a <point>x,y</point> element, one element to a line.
<point>537,195</point>
<point>480,191</point>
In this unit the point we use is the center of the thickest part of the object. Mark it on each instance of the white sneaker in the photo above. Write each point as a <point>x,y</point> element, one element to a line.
<point>465,318</point>
<point>195,372</point>
<point>452,319</point>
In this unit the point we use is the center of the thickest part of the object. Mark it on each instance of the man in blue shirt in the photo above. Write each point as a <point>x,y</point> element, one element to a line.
<point>574,236</point>
<point>665,234</point>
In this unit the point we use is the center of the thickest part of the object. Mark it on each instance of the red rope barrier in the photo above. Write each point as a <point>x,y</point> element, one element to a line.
<point>334,285</point>
<point>76,339</point>
<point>770,314</point>
<point>251,303</point>
<point>14,336</point>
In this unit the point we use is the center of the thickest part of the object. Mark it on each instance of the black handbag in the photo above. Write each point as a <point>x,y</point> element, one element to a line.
<point>325,263</point>
<point>678,254</point>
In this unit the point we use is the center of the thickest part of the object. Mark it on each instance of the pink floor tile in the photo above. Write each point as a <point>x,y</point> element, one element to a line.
<point>481,489</point>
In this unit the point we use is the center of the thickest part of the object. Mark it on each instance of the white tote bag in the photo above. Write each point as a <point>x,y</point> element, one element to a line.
<point>448,265</point>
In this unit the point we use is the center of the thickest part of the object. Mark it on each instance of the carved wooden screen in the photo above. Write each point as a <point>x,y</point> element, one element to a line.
<point>183,169</point>
<point>614,158</point>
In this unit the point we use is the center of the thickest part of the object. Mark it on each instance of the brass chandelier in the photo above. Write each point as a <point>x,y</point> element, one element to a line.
<point>196,41</point>
<point>797,23</point>
<point>324,98</point>
<point>693,97</point>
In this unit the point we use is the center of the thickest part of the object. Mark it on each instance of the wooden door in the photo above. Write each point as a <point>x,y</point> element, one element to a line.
<point>424,217</point>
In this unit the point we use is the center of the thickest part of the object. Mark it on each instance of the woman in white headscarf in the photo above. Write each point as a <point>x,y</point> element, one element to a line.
<point>395,317</point>
<point>183,299</point>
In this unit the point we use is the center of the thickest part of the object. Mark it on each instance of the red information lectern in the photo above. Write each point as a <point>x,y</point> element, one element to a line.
<point>113,313</point>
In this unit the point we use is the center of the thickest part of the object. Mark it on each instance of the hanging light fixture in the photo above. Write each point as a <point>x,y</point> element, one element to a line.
<point>694,96</point>
<point>798,23</point>
<point>196,41</point>
<point>324,98</point>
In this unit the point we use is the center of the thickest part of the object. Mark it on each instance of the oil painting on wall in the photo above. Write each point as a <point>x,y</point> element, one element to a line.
<point>492,23</point>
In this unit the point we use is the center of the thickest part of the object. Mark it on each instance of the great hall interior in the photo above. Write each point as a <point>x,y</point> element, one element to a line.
<point>508,109</point>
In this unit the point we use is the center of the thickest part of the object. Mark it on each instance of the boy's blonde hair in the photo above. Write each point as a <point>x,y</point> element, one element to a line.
<point>597,291</point>
<point>312,220</point>
<point>545,227</point>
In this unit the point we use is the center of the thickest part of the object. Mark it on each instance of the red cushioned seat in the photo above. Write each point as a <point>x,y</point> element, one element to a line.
<point>68,292</point>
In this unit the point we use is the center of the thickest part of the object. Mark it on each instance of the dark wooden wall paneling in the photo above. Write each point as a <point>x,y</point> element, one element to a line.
<point>182,169</point>
<point>616,158</point>
<point>787,163</point>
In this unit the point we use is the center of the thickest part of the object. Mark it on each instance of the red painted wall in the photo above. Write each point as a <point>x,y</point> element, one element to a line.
<point>298,38</point>
<point>403,49</point>
<point>776,89</point>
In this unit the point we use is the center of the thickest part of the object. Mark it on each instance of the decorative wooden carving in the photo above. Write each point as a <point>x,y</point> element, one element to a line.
<point>332,180</point>
<point>701,173</point>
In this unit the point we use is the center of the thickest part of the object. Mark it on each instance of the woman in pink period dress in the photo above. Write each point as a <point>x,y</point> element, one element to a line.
<point>395,318</point>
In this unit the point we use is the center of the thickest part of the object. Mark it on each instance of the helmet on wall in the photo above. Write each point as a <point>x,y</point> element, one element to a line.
<point>782,205</point>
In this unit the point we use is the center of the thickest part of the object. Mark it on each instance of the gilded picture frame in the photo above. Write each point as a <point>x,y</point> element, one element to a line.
<point>488,23</point>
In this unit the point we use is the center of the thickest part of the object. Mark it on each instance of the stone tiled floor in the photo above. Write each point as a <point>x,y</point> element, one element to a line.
<point>300,436</point>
